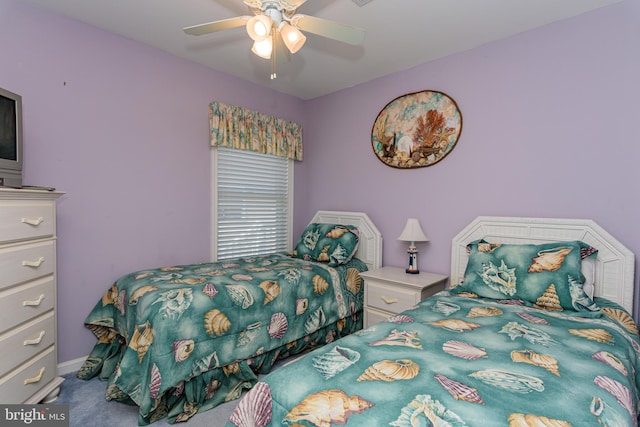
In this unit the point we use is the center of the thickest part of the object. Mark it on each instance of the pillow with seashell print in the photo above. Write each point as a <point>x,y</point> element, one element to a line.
<point>334,244</point>
<point>548,276</point>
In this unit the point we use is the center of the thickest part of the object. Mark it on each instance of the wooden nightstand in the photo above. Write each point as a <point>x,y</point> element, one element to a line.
<point>389,290</point>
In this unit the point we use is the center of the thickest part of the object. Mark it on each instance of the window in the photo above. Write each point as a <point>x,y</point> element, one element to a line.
<point>252,203</point>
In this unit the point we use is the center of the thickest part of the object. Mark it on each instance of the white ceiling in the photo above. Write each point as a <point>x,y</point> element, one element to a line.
<point>399,34</point>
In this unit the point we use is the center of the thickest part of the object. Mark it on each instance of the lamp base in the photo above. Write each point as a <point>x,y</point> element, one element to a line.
<point>413,262</point>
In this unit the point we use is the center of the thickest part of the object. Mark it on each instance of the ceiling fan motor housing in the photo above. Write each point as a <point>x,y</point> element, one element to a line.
<point>274,14</point>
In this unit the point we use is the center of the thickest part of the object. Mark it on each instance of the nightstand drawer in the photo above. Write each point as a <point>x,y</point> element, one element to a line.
<point>375,316</point>
<point>391,299</point>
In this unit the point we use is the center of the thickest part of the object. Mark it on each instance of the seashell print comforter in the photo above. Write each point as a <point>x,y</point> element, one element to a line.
<point>458,361</point>
<point>178,340</point>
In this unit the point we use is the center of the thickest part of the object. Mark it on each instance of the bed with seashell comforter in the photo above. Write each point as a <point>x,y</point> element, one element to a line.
<point>522,340</point>
<point>178,340</point>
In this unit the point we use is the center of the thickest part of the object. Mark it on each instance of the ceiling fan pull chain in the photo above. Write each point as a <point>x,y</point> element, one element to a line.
<point>273,53</point>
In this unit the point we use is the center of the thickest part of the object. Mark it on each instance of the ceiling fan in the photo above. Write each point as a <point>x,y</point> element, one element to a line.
<point>274,23</point>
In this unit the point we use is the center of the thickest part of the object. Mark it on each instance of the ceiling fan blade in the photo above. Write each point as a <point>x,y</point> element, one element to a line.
<point>253,4</point>
<point>292,4</point>
<point>329,29</point>
<point>284,4</point>
<point>212,27</point>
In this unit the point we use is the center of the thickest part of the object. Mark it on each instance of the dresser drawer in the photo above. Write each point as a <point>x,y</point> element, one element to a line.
<point>24,342</point>
<point>19,384</point>
<point>391,299</point>
<point>21,303</point>
<point>26,220</point>
<point>25,262</point>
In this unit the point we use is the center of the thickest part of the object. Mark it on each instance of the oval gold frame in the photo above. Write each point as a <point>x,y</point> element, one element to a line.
<point>416,130</point>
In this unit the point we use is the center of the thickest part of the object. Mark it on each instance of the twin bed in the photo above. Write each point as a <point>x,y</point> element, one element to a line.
<point>183,339</point>
<point>479,355</point>
<point>484,352</point>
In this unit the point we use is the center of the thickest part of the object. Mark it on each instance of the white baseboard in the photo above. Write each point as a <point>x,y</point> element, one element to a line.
<point>71,366</point>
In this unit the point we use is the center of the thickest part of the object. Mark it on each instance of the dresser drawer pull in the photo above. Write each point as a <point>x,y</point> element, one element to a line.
<point>31,221</point>
<point>389,300</point>
<point>33,303</point>
<point>35,379</point>
<point>37,263</point>
<point>34,341</point>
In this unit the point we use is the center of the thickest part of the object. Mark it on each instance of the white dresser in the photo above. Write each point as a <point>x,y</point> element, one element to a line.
<point>28,359</point>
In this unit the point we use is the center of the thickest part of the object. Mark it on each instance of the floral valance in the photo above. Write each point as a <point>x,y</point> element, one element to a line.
<point>243,129</point>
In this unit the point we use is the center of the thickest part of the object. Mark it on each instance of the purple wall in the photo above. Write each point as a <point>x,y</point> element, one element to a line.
<point>122,128</point>
<point>548,130</point>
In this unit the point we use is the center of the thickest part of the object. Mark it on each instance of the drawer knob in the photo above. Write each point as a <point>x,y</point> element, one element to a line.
<point>34,303</point>
<point>34,341</point>
<point>35,379</point>
<point>37,263</point>
<point>389,300</point>
<point>33,221</point>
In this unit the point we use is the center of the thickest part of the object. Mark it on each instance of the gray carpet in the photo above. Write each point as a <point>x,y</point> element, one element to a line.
<point>88,407</point>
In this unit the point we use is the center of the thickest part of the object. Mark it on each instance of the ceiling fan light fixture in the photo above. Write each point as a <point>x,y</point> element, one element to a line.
<point>263,48</point>
<point>259,27</point>
<point>275,23</point>
<point>292,37</point>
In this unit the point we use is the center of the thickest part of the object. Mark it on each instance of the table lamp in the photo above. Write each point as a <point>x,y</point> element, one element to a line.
<point>413,233</point>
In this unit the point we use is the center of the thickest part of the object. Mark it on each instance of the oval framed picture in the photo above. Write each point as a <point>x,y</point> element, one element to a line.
<point>416,130</point>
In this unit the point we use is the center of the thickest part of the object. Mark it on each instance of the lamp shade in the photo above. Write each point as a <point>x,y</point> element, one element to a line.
<point>263,48</point>
<point>292,37</point>
<point>259,27</point>
<point>413,232</point>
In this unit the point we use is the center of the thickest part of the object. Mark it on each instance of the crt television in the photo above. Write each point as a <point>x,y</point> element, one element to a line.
<point>10,139</point>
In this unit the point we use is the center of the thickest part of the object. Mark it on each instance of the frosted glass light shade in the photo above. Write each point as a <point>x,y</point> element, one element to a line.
<point>259,27</point>
<point>292,37</point>
<point>263,48</point>
<point>413,232</point>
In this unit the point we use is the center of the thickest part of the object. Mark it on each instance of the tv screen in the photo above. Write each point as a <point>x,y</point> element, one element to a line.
<point>10,139</point>
<point>8,131</point>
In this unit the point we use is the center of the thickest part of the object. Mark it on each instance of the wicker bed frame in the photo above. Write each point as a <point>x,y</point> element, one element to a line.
<point>370,241</point>
<point>614,276</point>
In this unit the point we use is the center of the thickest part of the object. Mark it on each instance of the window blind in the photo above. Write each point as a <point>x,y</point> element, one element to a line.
<point>253,204</point>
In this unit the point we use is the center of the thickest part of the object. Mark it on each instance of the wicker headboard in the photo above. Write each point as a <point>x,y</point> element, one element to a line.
<point>614,278</point>
<point>370,242</point>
